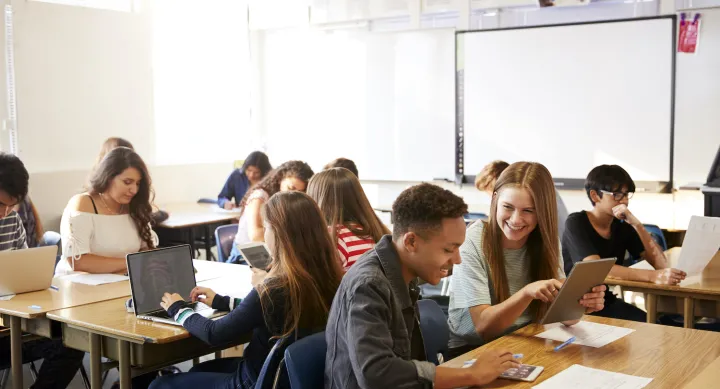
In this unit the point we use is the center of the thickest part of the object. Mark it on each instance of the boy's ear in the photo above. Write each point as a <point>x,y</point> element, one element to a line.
<point>595,196</point>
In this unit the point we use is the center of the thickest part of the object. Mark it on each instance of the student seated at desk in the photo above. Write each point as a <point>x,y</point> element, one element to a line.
<point>352,221</point>
<point>254,169</point>
<point>511,265</point>
<point>61,363</point>
<point>343,162</point>
<point>290,176</point>
<point>485,182</point>
<point>373,336</point>
<point>293,299</point>
<point>609,230</point>
<point>31,222</point>
<point>99,227</point>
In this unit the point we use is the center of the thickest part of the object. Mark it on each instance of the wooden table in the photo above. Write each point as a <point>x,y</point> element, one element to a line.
<point>106,329</point>
<point>708,378</point>
<point>696,296</point>
<point>671,356</point>
<point>185,217</point>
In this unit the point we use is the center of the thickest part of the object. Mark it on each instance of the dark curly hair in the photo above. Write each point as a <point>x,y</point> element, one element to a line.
<point>13,177</point>
<point>113,164</point>
<point>422,208</point>
<point>271,182</point>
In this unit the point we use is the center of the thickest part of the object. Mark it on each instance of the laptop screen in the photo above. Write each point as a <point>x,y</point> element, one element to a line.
<point>153,273</point>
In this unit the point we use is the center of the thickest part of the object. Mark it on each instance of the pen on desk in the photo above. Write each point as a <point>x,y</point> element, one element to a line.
<point>564,344</point>
<point>55,288</point>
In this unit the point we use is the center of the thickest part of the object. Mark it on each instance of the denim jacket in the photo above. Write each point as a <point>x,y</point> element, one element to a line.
<point>373,332</point>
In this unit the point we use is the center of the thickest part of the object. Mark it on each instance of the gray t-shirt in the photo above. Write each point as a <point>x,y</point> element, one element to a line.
<point>471,286</point>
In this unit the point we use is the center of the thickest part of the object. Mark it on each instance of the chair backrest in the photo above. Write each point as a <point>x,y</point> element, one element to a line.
<point>224,238</point>
<point>305,362</point>
<point>207,201</point>
<point>657,235</point>
<point>434,329</point>
<point>273,368</point>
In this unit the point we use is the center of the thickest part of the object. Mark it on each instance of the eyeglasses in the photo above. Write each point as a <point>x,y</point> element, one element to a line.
<point>618,196</point>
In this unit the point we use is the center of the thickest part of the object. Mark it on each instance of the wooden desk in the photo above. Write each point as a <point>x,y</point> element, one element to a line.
<point>106,329</point>
<point>696,295</point>
<point>708,378</point>
<point>188,216</point>
<point>671,356</point>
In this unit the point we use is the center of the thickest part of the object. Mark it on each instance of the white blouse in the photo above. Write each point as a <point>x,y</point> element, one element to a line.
<point>105,235</point>
<point>243,234</point>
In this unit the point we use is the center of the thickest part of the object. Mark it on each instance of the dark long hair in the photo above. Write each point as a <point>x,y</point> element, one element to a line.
<point>543,244</point>
<point>140,208</point>
<point>343,202</point>
<point>305,268</point>
<point>259,160</point>
<point>271,182</point>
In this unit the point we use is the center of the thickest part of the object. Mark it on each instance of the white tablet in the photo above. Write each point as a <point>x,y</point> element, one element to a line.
<point>583,277</point>
<point>256,254</point>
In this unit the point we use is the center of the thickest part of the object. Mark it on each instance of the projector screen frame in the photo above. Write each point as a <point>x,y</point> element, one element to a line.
<point>562,182</point>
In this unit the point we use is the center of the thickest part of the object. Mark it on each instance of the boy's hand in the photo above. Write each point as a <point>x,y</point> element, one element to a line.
<point>623,213</point>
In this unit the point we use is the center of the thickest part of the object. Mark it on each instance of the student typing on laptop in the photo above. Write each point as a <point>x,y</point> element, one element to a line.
<point>609,230</point>
<point>61,363</point>
<point>511,266</point>
<point>294,298</point>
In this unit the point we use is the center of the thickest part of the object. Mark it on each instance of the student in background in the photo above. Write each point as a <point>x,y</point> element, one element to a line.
<point>291,175</point>
<point>294,298</point>
<point>609,230</point>
<point>511,266</point>
<point>485,182</point>
<point>255,167</point>
<point>60,363</point>
<point>111,143</point>
<point>372,334</point>
<point>343,162</point>
<point>353,223</point>
<point>99,227</point>
<point>31,221</point>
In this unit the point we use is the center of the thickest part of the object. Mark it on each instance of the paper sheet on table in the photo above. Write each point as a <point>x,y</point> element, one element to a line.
<point>586,333</point>
<point>702,242</point>
<point>578,376</point>
<point>7,297</point>
<point>96,279</point>
<point>644,265</point>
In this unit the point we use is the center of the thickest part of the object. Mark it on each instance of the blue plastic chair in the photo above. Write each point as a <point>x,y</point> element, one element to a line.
<point>657,235</point>
<point>224,238</point>
<point>273,369</point>
<point>305,362</point>
<point>207,201</point>
<point>435,331</point>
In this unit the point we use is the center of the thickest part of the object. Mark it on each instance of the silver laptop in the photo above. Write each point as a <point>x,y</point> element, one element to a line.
<point>153,273</point>
<point>15,277</point>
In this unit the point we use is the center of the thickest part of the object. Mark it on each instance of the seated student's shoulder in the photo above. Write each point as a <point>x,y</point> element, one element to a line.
<point>365,274</point>
<point>81,203</point>
<point>577,218</point>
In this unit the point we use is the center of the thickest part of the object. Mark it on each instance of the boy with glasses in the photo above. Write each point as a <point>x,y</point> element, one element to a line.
<point>609,230</point>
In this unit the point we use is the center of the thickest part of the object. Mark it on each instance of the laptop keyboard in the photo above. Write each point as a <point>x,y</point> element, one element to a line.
<point>196,307</point>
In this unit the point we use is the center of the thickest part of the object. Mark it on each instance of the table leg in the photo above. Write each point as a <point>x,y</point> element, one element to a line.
<point>218,354</point>
<point>196,361</point>
<point>95,365</point>
<point>651,306</point>
<point>191,239</point>
<point>16,352</point>
<point>208,243</point>
<point>689,312</point>
<point>124,364</point>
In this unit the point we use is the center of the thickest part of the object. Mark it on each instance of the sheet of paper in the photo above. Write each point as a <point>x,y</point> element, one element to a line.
<point>586,333</point>
<point>643,265</point>
<point>578,376</point>
<point>6,298</point>
<point>96,279</point>
<point>702,242</point>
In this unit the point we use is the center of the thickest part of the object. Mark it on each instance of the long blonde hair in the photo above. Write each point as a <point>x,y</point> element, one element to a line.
<point>305,269</point>
<point>543,244</point>
<point>343,202</point>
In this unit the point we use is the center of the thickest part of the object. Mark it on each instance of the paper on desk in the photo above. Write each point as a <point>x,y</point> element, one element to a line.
<point>96,279</point>
<point>643,265</point>
<point>7,297</point>
<point>586,333</point>
<point>578,376</point>
<point>702,242</point>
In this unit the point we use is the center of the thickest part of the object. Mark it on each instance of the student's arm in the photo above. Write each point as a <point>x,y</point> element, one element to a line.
<point>19,237</point>
<point>256,231</point>
<point>646,245</point>
<point>246,316</point>
<point>661,276</point>
<point>227,193</point>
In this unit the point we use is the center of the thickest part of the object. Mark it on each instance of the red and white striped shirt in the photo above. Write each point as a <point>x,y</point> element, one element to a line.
<point>351,246</point>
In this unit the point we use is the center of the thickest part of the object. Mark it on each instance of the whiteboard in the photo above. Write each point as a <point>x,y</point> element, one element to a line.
<point>570,97</point>
<point>385,100</point>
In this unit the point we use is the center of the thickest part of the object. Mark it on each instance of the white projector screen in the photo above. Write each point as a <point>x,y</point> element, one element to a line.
<point>570,97</point>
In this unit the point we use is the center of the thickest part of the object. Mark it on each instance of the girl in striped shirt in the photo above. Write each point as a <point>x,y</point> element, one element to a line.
<point>352,222</point>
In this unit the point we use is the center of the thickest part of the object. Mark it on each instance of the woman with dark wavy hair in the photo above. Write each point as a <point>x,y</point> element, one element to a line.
<point>99,227</point>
